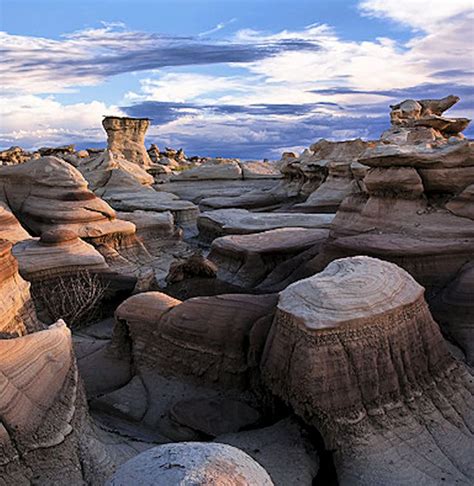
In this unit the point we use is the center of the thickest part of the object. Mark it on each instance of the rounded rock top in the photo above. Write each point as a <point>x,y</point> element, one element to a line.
<point>190,464</point>
<point>348,291</point>
<point>56,236</point>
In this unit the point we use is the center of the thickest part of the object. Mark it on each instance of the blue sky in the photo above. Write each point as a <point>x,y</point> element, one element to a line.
<point>234,78</point>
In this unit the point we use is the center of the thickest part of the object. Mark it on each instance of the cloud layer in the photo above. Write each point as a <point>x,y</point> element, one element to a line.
<point>260,92</point>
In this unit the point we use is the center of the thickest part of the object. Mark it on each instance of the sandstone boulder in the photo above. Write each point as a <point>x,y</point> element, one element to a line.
<point>57,253</point>
<point>191,463</point>
<point>49,193</point>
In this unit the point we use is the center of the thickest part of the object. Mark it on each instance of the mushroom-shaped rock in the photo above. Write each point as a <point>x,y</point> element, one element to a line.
<point>44,428</point>
<point>354,350</point>
<point>57,253</point>
<point>190,464</point>
<point>17,312</point>
<point>126,137</point>
<point>213,340</point>
<point>48,193</point>
<point>10,229</point>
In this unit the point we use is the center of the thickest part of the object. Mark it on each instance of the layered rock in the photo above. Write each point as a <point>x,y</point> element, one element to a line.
<point>215,340</point>
<point>221,222</point>
<point>311,169</point>
<point>49,193</point>
<point>428,113</point>
<point>245,260</point>
<point>355,352</point>
<point>10,229</point>
<point>17,312</point>
<point>417,194</point>
<point>190,463</point>
<point>57,253</point>
<point>45,435</point>
<point>335,160</point>
<point>126,138</point>
<point>127,187</point>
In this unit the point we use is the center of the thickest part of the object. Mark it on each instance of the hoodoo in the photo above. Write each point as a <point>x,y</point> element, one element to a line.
<point>355,352</point>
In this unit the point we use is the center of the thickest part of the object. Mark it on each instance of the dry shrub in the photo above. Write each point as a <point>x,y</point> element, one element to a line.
<point>75,298</point>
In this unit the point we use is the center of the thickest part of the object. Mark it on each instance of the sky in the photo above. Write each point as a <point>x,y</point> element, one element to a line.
<point>248,78</point>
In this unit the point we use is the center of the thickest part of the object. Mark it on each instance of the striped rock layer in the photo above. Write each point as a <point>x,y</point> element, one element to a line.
<point>355,352</point>
<point>44,429</point>
<point>214,340</point>
<point>17,312</point>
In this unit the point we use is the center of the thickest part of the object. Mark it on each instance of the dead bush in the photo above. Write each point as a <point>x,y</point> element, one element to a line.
<point>74,298</point>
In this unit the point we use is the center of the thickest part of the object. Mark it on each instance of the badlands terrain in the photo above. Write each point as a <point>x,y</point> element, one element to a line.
<point>173,320</point>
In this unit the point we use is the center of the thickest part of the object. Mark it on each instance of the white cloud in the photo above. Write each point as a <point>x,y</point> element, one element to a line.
<point>32,121</point>
<point>426,15</point>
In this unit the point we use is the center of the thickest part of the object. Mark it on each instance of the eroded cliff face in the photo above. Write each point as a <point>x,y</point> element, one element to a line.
<point>355,352</point>
<point>17,312</point>
<point>126,136</point>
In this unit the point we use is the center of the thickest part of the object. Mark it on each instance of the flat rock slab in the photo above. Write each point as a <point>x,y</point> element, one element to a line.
<point>195,191</point>
<point>272,241</point>
<point>214,416</point>
<point>245,260</point>
<point>223,222</point>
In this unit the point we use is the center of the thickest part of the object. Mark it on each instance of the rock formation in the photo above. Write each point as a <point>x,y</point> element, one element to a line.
<point>17,312</point>
<point>10,229</point>
<point>355,352</point>
<point>428,113</point>
<point>221,222</point>
<point>191,463</point>
<point>126,138</point>
<point>215,340</point>
<point>416,206</point>
<point>49,193</point>
<point>45,435</point>
<point>325,174</point>
<point>245,260</point>
<point>57,253</point>
<point>127,187</point>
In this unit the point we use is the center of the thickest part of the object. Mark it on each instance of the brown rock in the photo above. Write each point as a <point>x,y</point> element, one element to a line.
<point>17,312</point>
<point>215,340</point>
<point>355,352</point>
<point>45,434</point>
<point>245,260</point>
